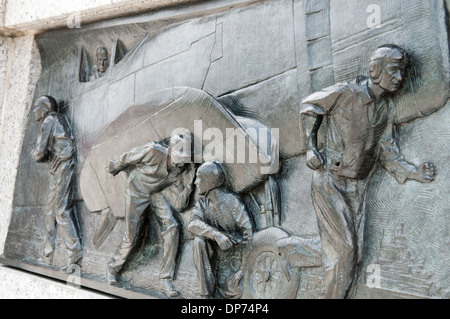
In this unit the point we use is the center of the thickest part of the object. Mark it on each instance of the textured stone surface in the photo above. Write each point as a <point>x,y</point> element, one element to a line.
<point>407,23</point>
<point>253,60</point>
<point>2,12</point>
<point>4,49</point>
<point>278,106</point>
<point>32,16</point>
<point>15,284</point>
<point>22,77</point>
<point>420,211</point>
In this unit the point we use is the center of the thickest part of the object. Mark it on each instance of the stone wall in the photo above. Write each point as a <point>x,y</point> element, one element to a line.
<point>22,71</point>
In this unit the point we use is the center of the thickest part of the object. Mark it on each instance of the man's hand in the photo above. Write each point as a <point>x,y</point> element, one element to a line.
<point>234,280</point>
<point>233,290</point>
<point>189,175</point>
<point>223,241</point>
<point>34,154</point>
<point>115,167</point>
<point>314,159</point>
<point>425,173</point>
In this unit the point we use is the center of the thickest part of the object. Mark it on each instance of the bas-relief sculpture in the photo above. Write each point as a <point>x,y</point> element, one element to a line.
<point>101,63</point>
<point>160,179</point>
<point>360,132</point>
<point>173,214</point>
<point>55,145</point>
<point>219,221</point>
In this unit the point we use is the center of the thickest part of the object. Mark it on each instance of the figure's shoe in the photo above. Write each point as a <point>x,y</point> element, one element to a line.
<point>167,287</point>
<point>46,259</point>
<point>72,262</point>
<point>47,256</point>
<point>112,277</point>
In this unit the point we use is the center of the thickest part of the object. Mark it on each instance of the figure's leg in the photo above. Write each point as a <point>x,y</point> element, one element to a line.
<point>334,213</point>
<point>357,192</point>
<point>205,274</point>
<point>169,232</point>
<point>358,197</point>
<point>50,236</point>
<point>135,205</point>
<point>171,239</point>
<point>65,212</point>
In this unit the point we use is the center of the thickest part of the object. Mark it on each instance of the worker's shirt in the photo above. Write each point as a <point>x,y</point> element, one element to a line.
<point>55,141</point>
<point>359,130</point>
<point>147,167</point>
<point>226,213</point>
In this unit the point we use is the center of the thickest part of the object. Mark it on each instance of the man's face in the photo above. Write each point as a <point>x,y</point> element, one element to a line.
<point>180,151</point>
<point>102,61</point>
<point>392,76</point>
<point>39,112</point>
<point>177,162</point>
<point>201,183</point>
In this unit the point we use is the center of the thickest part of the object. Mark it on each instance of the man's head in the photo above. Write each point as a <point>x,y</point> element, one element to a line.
<point>43,106</point>
<point>388,66</point>
<point>210,175</point>
<point>180,149</point>
<point>101,59</point>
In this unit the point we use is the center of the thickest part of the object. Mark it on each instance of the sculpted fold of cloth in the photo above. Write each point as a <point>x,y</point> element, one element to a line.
<point>55,146</point>
<point>360,132</point>
<point>159,182</point>
<point>219,221</point>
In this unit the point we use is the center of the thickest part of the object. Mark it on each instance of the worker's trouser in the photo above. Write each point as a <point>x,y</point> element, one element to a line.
<point>339,205</point>
<point>60,212</point>
<point>136,206</point>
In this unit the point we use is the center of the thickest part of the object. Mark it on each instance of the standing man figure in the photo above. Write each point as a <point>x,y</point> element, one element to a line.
<point>219,221</point>
<point>160,182</point>
<point>55,145</point>
<point>360,132</point>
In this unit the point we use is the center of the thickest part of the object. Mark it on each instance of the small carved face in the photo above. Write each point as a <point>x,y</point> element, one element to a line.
<point>180,150</point>
<point>102,61</point>
<point>39,111</point>
<point>392,76</point>
<point>201,183</point>
<point>208,177</point>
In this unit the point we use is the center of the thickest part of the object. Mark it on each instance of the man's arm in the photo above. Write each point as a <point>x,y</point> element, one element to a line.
<point>395,163</point>
<point>132,157</point>
<point>243,221</point>
<point>314,159</point>
<point>178,194</point>
<point>187,177</point>
<point>39,153</point>
<point>317,106</point>
<point>198,227</point>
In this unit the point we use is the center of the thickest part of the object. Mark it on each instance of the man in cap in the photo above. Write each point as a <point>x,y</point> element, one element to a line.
<point>55,146</point>
<point>159,181</point>
<point>220,222</point>
<point>360,132</point>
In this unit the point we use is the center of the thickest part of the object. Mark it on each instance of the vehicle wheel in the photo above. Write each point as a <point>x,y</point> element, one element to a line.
<point>268,275</point>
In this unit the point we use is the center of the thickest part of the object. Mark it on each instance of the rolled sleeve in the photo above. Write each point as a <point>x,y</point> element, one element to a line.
<point>321,103</point>
<point>43,140</point>
<point>392,159</point>
<point>138,155</point>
